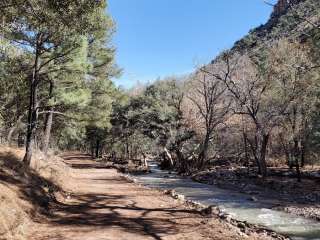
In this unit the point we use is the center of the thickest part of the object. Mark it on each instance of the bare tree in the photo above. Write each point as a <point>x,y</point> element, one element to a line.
<point>213,107</point>
<point>293,70</point>
<point>251,86</point>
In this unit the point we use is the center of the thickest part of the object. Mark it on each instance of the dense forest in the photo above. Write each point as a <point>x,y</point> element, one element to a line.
<point>254,105</point>
<point>56,66</point>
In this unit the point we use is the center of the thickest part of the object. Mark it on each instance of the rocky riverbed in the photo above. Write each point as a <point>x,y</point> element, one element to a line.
<point>243,228</point>
<point>281,187</point>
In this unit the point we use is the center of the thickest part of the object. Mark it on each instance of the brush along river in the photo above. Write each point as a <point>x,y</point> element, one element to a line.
<point>239,206</point>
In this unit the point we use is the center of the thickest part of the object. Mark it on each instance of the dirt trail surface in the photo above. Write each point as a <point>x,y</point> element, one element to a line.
<point>104,206</point>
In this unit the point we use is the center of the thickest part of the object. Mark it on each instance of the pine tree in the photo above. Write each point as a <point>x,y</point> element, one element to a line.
<point>49,31</point>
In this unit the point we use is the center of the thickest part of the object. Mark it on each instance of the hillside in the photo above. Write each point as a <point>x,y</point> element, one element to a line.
<point>27,194</point>
<point>288,20</point>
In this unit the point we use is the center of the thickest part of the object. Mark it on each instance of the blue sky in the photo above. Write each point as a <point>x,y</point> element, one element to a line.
<point>159,38</point>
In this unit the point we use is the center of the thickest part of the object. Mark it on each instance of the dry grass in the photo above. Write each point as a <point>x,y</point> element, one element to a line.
<point>14,221</point>
<point>24,193</point>
<point>53,169</point>
<point>277,162</point>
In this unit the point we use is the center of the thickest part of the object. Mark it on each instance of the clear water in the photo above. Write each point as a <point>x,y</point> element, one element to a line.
<point>238,205</point>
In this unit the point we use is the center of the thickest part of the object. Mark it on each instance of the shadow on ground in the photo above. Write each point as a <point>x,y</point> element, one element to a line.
<point>99,210</point>
<point>120,211</point>
<point>31,187</point>
<point>81,161</point>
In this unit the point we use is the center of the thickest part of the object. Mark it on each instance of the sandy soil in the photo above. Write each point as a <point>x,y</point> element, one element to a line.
<point>104,206</point>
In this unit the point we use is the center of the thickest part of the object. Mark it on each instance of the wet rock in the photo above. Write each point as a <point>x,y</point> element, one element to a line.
<point>254,199</point>
<point>312,197</point>
<point>175,195</point>
<point>180,197</point>
<point>195,205</point>
<point>226,217</point>
<point>211,210</point>
<point>241,225</point>
<point>170,192</point>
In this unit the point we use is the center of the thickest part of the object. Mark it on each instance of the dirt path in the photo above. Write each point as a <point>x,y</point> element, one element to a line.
<point>105,206</point>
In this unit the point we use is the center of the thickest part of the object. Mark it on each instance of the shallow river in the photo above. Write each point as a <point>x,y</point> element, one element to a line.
<point>238,205</point>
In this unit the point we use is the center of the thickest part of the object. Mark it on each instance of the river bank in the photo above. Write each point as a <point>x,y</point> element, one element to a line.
<point>209,214</point>
<point>281,187</point>
<point>105,204</point>
<point>240,206</point>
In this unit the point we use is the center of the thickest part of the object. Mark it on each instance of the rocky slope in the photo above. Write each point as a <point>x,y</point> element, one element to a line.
<point>289,19</point>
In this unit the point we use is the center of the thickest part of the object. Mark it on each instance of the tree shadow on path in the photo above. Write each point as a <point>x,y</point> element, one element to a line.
<point>115,209</point>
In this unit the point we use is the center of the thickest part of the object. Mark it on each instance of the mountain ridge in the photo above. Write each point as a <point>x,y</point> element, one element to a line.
<point>286,20</point>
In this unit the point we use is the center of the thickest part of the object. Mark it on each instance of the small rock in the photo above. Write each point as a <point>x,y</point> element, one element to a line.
<point>211,210</point>
<point>254,199</point>
<point>228,219</point>
<point>241,225</point>
<point>179,197</point>
<point>170,192</point>
<point>224,216</point>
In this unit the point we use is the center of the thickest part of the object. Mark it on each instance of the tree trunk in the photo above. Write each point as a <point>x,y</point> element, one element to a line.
<point>296,150</point>
<point>92,150</point>
<point>167,153</point>
<point>263,155</point>
<point>32,124</point>
<point>203,156</point>
<point>285,149</point>
<point>303,152</point>
<point>97,148</point>
<point>48,122</point>
<point>245,143</point>
<point>10,134</point>
<point>13,129</point>
<point>145,162</point>
<point>183,168</point>
<point>262,143</point>
<point>33,107</point>
<point>47,131</point>
<point>296,154</point>
<point>254,153</point>
<point>126,155</point>
<point>20,140</point>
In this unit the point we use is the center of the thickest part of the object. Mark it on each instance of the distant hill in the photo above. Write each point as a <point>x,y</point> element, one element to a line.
<point>290,18</point>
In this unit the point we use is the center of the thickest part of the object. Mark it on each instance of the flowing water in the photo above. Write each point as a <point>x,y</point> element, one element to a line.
<point>238,205</point>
